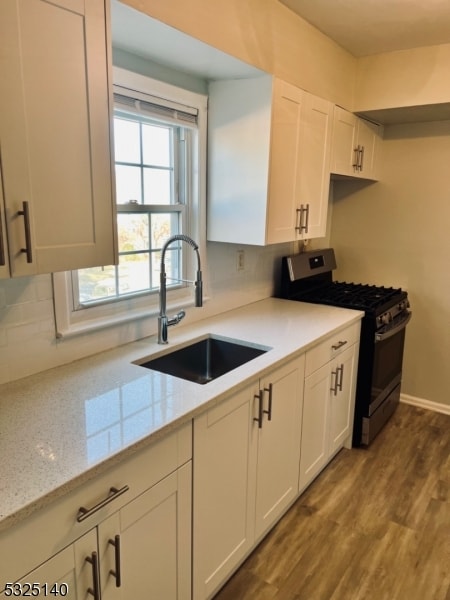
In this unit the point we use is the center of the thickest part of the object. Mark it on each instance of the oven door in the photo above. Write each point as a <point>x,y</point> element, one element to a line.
<point>388,359</point>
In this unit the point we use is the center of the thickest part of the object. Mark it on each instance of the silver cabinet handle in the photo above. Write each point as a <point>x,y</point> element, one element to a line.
<point>302,218</point>
<point>335,388</point>
<point>303,224</point>
<point>358,159</point>
<point>2,244</point>
<point>298,226</point>
<point>339,344</point>
<point>2,235</point>
<point>306,225</point>
<point>361,158</point>
<point>259,418</point>
<point>268,412</point>
<point>117,571</point>
<point>355,164</point>
<point>338,379</point>
<point>114,493</point>
<point>25,213</point>
<point>341,377</point>
<point>95,589</point>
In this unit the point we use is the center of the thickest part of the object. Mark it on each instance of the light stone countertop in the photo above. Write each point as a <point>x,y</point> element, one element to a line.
<point>62,427</point>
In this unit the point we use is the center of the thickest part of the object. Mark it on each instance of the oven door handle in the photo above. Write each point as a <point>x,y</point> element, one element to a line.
<point>380,337</point>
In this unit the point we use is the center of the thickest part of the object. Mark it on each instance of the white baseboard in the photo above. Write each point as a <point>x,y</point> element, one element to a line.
<point>427,404</point>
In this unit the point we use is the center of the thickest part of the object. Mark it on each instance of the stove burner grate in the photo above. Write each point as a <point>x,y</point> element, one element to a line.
<point>352,295</point>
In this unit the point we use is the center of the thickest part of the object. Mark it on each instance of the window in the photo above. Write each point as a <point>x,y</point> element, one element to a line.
<point>152,158</point>
<point>158,144</point>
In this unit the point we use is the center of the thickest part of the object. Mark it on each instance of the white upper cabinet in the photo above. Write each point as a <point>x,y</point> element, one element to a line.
<point>314,177</point>
<point>269,152</point>
<point>57,210</point>
<point>284,165</point>
<point>355,149</point>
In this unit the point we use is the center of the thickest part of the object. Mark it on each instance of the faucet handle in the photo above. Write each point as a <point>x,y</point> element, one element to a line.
<point>177,318</point>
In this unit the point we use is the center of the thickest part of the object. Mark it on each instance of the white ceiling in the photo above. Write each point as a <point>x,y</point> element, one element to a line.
<point>365,27</point>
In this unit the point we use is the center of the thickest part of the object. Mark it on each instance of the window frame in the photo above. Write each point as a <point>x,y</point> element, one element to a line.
<point>70,321</point>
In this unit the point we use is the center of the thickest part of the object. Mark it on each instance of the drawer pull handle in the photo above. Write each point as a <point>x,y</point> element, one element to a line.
<point>339,344</point>
<point>84,513</point>
<point>117,572</point>
<point>95,589</point>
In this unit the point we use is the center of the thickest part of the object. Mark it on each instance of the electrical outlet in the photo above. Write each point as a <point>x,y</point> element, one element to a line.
<point>240,260</point>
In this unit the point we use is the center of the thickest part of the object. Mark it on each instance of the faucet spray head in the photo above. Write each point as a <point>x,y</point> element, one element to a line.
<point>199,290</point>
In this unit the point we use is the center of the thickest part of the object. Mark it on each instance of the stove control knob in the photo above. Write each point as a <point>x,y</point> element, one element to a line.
<point>386,318</point>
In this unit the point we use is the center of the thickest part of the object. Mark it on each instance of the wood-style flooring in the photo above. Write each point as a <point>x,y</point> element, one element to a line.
<point>375,525</point>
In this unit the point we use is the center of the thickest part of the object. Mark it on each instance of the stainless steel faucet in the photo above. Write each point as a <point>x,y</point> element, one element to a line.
<point>163,321</point>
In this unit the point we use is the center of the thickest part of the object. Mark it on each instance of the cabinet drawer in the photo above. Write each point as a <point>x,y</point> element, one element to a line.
<point>32,541</point>
<point>332,346</point>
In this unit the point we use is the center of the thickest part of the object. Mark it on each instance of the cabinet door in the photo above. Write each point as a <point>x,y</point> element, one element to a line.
<point>55,134</point>
<point>151,557</point>
<point>279,444</point>
<point>224,490</point>
<point>344,142</point>
<point>314,448</point>
<point>369,138</point>
<point>238,159</point>
<point>285,147</point>
<point>314,179</point>
<point>67,574</point>
<point>343,401</point>
<point>355,145</point>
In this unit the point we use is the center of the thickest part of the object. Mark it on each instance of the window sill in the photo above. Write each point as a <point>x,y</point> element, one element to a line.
<point>74,323</point>
<point>92,325</point>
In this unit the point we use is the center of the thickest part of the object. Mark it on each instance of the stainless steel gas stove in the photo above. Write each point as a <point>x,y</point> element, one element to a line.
<point>307,277</point>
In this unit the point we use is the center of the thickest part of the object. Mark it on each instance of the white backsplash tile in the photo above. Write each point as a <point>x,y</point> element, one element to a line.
<point>27,327</point>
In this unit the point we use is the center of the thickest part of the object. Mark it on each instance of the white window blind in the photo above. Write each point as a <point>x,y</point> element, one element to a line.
<point>155,108</point>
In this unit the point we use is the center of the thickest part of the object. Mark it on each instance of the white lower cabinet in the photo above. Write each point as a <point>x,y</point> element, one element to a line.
<point>134,543</point>
<point>328,404</point>
<point>145,548</point>
<point>67,574</point>
<point>279,445</point>
<point>246,457</point>
<point>176,519</point>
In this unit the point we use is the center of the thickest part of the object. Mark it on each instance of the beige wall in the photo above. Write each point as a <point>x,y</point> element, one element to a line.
<point>266,34</point>
<point>396,232</point>
<point>393,233</point>
<point>405,78</point>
